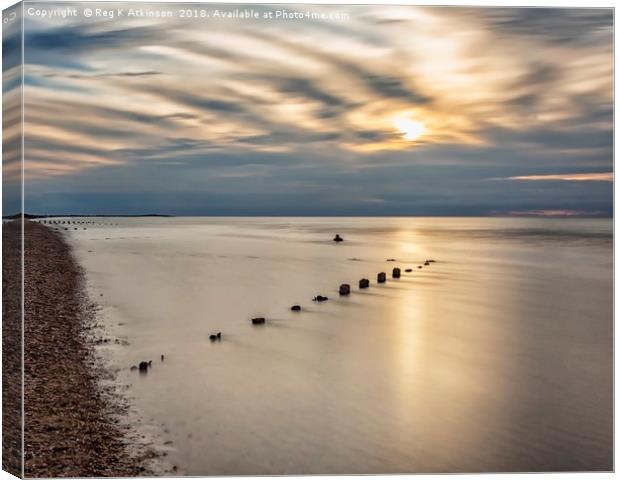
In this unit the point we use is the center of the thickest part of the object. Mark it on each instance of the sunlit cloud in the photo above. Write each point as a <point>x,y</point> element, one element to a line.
<point>568,177</point>
<point>555,213</point>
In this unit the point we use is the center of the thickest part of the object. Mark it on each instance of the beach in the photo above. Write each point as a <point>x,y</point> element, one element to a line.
<point>71,424</point>
<point>11,349</point>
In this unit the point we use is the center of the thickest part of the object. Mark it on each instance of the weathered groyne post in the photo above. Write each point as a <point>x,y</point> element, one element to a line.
<point>364,283</point>
<point>344,289</point>
<point>396,273</point>
<point>381,277</point>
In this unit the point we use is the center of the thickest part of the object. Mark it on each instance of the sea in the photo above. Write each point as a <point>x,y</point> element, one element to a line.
<point>496,357</point>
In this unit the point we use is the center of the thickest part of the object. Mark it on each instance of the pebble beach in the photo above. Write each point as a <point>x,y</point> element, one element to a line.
<point>71,423</point>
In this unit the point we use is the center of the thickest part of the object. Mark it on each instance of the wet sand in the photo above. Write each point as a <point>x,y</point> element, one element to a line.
<point>72,422</point>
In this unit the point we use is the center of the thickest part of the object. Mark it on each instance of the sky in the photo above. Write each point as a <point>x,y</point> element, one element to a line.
<point>370,110</point>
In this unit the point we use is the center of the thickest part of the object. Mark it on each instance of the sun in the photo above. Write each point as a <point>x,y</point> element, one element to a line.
<point>411,129</point>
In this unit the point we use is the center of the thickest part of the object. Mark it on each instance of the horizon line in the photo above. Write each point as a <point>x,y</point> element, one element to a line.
<point>532,214</point>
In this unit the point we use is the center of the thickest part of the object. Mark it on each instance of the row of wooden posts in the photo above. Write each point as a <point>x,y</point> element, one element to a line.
<point>345,289</point>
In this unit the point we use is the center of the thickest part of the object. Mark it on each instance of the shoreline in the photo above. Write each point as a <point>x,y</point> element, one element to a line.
<point>71,429</point>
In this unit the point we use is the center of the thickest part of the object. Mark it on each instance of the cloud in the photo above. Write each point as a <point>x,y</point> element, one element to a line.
<point>566,177</point>
<point>555,213</point>
<point>105,75</point>
<point>564,26</point>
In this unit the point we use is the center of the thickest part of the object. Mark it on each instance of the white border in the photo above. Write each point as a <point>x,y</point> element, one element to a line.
<point>490,3</point>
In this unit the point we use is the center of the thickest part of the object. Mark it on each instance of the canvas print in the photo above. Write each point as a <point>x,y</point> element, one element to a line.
<point>295,239</point>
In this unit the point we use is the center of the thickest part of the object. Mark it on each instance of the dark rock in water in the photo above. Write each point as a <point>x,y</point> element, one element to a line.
<point>364,283</point>
<point>396,273</point>
<point>320,298</point>
<point>426,264</point>
<point>133,368</point>
<point>419,266</point>
<point>430,261</point>
<point>213,337</point>
<point>162,357</point>
<point>296,308</point>
<point>344,289</point>
<point>143,367</point>
<point>338,238</point>
<point>258,321</point>
<point>381,277</point>
<point>408,270</point>
<point>391,260</point>
<point>219,335</point>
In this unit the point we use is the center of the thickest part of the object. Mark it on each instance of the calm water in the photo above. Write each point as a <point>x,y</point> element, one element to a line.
<point>496,358</point>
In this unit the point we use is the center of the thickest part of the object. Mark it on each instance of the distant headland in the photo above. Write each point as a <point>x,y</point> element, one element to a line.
<point>33,216</point>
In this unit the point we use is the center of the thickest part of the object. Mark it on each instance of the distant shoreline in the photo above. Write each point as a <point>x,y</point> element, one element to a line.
<point>33,216</point>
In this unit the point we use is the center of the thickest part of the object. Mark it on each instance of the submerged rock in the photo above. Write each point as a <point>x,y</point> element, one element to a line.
<point>258,321</point>
<point>408,270</point>
<point>296,308</point>
<point>381,277</point>
<point>364,283</point>
<point>320,298</point>
<point>143,367</point>
<point>344,289</point>
<point>396,273</point>
<point>338,238</point>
